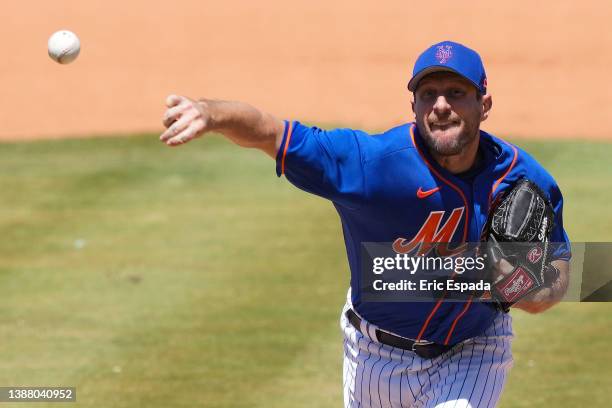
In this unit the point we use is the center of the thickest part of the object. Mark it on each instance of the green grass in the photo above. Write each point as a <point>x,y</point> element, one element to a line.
<point>156,277</point>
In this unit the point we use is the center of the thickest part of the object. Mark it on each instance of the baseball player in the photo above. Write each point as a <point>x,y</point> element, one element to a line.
<point>429,181</point>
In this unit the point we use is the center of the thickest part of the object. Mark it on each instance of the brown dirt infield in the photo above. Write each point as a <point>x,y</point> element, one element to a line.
<point>333,62</point>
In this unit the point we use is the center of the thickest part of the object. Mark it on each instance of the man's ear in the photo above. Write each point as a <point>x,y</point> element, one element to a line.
<point>412,104</point>
<point>487,104</point>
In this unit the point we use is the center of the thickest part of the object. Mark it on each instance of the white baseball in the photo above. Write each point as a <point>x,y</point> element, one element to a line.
<point>64,46</point>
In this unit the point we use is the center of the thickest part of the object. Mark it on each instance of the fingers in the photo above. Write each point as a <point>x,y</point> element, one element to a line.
<point>176,105</point>
<point>191,132</point>
<point>177,127</point>
<point>172,114</point>
<point>505,267</point>
<point>502,269</point>
<point>173,100</point>
<point>184,120</point>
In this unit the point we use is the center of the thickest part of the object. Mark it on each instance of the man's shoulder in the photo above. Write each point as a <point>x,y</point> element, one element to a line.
<point>347,142</point>
<point>520,163</point>
<point>534,170</point>
<point>396,139</point>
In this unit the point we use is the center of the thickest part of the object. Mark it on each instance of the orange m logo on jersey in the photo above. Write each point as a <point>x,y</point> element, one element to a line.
<point>432,233</point>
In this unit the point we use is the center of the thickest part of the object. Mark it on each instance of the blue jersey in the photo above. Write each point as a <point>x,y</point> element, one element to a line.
<point>387,188</point>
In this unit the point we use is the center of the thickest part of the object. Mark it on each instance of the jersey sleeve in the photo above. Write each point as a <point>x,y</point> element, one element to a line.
<point>527,166</point>
<point>327,163</point>
<point>561,245</point>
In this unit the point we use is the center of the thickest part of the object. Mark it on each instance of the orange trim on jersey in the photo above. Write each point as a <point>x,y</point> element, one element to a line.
<point>459,316</point>
<point>465,225</point>
<point>431,315</point>
<point>499,180</point>
<point>495,185</point>
<point>289,129</point>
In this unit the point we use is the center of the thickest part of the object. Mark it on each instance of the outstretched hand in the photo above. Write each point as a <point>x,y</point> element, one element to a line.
<point>185,120</point>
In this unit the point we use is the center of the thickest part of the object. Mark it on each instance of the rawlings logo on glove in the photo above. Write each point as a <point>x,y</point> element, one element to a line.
<point>517,236</point>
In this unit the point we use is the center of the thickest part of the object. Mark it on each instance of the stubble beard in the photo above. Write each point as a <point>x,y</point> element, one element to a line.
<point>447,145</point>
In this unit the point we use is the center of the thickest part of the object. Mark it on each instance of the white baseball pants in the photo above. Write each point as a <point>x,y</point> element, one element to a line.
<point>470,375</point>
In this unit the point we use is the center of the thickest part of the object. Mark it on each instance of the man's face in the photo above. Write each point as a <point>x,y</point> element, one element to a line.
<point>448,112</point>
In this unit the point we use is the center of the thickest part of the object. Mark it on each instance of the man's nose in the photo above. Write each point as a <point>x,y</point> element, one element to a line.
<point>441,106</point>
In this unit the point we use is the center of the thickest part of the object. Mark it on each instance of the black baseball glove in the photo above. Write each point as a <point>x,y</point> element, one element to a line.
<point>516,247</point>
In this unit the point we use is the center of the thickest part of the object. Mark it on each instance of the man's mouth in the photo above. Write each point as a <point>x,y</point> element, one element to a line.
<point>443,125</point>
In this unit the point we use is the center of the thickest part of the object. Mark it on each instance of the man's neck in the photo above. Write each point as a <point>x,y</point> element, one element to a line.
<point>461,162</point>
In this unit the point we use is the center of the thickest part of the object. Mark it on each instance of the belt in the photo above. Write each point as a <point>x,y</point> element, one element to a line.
<point>424,349</point>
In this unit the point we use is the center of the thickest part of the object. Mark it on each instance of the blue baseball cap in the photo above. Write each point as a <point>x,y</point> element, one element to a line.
<point>452,57</point>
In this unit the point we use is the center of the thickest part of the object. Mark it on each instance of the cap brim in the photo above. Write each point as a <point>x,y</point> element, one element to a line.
<point>414,82</point>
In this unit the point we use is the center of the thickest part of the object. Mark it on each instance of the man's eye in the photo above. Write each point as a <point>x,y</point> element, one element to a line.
<point>457,93</point>
<point>428,94</point>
